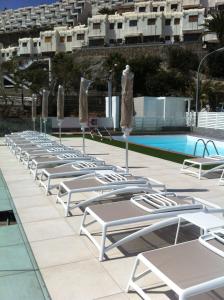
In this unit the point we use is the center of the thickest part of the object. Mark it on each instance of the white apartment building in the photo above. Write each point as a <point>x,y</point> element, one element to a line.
<point>29,46</point>
<point>8,53</point>
<point>151,21</point>
<point>63,39</point>
<point>68,12</point>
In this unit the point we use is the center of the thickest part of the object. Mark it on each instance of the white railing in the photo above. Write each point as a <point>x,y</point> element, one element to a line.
<point>214,120</point>
<point>71,122</point>
<point>156,123</point>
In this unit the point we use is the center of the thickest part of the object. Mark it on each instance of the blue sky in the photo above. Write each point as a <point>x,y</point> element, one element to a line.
<point>22,3</point>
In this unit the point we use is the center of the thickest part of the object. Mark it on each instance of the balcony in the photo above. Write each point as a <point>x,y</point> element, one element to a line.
<point>191,3</point>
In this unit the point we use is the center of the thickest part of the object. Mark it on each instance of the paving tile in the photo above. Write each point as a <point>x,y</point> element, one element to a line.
<point>38,213</point>
<point>27,201</point>
<point>47,229</point>
<point>60,251</point>
<point>85,280</point>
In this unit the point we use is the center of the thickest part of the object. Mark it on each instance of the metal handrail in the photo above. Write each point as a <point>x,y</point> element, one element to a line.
<point>108,133</point>
<point>205,146</point>
<point>99,133</point>
<point>211,141</point>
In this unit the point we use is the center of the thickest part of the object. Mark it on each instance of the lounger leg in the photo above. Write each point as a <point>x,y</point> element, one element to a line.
<point>68,204</point>
<point>133,278</point>
<point>48,185</point>
<point>59,193</point>
<point>221,178</point>
<point>83,221</point>
<point>177,232</point>
<point>102,247</point>
<point>136,264</point>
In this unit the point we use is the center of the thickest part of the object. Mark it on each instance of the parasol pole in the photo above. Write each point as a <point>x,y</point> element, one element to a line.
<point>60,108</point>
<point>83,138</point>
<point>83,108</point>
<point>34,111</point>
<point>45,110</point>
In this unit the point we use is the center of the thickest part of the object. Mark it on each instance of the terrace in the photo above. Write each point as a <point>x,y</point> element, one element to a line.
<point>68,262</point>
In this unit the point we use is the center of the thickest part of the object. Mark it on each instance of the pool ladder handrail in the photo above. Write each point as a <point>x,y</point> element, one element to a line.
<point>205,146</point>
<point>212,142</point>
<point>107,131</point>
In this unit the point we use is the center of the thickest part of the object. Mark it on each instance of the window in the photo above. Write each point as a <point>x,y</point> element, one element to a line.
<point>167,38</point>
<point>142,9</point>
<point>119,25</point>
<point>69,38</point>
<point>47,39</point>
<point>111,26</point>
<point>62,39</point>
<point>119,41</point>
<point>35,44</point>
<point>39,43</point>
<point>3,54</point>
<point>161,8</point>
<point>193,18</point>
<point>174,6</point>
<point>155,9</point>
<point>96,25</point>
<point>151,21</point>
<point>24,45</point>
<point>167,22</point>
<point>80,36</point>
<point>176,21</point>
<point>176,38</point>
<point>133,23</point>
<point>7,54</point>
<point>112,41</point>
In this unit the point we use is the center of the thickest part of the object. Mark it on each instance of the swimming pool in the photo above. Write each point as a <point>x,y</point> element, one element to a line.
<point>181,143</point>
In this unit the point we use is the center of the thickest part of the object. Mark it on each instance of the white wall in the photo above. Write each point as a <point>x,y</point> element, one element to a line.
<point>71,122</point>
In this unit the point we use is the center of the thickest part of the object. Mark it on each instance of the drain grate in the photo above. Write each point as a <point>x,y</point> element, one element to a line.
<point>7,218</point>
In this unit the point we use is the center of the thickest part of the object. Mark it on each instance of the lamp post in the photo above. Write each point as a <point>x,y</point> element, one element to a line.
<point>110,89</point>
<point>198,80</point>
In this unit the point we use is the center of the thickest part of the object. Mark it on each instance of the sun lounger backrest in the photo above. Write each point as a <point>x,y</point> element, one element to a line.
<point>85,164</point>
<point>162,203</point>
<point>217,236</point>
<point>67,155</point>
<point>112,177</point>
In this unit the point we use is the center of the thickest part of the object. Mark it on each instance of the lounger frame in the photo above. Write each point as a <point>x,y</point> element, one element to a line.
<point>170,216</point>
<point>103,191</point>
<point>191,166</point>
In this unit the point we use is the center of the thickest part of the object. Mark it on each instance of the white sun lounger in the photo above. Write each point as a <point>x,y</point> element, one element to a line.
<point>195,165</point>
<point>193,270</point>
<point>13,141</point>
<point>72,170</point>
<point>9,137</point>
<point>140,208</point>
<point>24,143</point>
<point>21,150</point>
<point>39,163</point>
<point>28,155</point>
<point>108,182</point>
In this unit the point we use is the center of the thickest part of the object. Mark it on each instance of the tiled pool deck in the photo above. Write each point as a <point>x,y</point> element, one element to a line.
<point>69,263</point>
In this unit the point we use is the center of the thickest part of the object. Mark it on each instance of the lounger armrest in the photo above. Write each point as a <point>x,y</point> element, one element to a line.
<point>208,204</point>
<point>119,169</point>
<point>204,287</point>
<point>157,182</point>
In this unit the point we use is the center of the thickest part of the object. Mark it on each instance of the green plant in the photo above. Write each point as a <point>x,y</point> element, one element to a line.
<point>182,59</point>
<point>216,24</point>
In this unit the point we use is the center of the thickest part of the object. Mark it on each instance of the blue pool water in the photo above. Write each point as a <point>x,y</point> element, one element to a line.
<point>179,143</point>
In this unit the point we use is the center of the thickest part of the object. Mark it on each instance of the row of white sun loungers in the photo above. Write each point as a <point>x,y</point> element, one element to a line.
<point>202,166</point>
<point>190,269</point>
